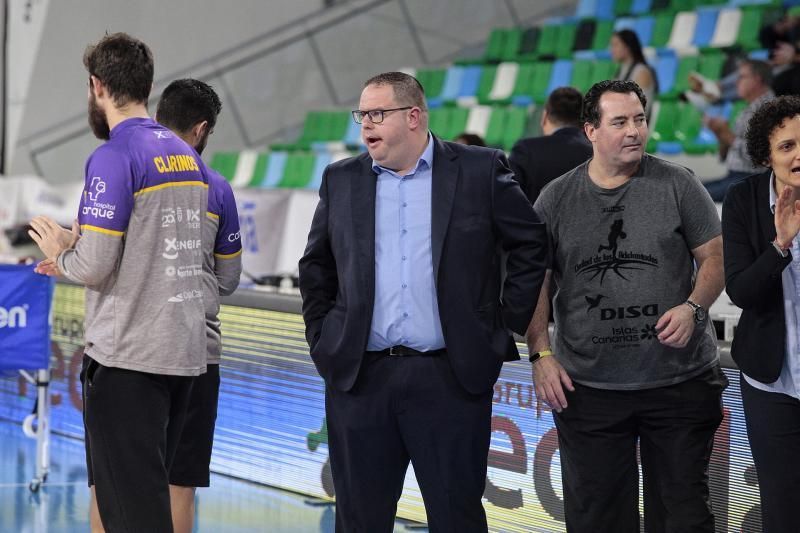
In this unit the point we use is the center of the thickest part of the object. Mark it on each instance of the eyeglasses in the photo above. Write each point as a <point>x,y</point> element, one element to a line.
<point>375,115</point>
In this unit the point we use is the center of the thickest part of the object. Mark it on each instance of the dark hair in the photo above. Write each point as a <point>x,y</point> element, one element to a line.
<point>407,90</point>
<point>765,120</point>
<point>471,139</point>
<point>187,102</point>
<point>591,101</point>
<point>631,41</point>
<point>125,66</point>
<point>564,106</point>
<point>760,69</point>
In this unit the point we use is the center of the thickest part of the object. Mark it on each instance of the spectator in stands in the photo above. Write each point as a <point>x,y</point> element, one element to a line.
<point>401,298</point>
<point>539,160</point>
<point>760,224</point>
<point>753,86</point>
<point>780,38</point>
<point>145,324</point>
<point>635,356</point>
<point>470,139</point>
<point>627,51</point>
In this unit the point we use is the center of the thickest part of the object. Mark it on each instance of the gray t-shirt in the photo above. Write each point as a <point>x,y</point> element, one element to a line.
<point>620,259</point>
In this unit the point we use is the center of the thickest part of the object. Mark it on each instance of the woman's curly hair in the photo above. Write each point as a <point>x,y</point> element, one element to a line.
<point>764,121</point>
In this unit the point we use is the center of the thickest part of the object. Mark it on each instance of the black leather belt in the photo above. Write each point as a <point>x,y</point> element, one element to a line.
<point>405,351</point>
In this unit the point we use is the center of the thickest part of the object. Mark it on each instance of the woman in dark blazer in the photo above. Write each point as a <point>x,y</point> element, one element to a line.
<point>760,224</point>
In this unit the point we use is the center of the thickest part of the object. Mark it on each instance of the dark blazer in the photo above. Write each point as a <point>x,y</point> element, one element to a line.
<point>477,210</point>
<point>537,161</point>
<point>753,278</point>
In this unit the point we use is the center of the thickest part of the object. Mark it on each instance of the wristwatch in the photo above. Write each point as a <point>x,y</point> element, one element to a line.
<point>699,313</point>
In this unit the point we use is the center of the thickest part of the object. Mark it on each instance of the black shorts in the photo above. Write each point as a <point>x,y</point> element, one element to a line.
<point>191,466</point>
<point>132,421</point>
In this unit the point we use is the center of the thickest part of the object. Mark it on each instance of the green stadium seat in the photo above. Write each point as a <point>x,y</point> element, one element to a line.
<point>603,69</point>
<point>437,121</point>
<point>432,80</point>
<point>298,171</point>
<point>663,129</point>
<point>690,121</point>
<point>512,44</point>
<point>541,81</point>
<point>259,170</point>
<point>548,41</point>
<point>622,7</point>
<point>582,74</point>
<point>486,82</point>
<point>662,29</point>
<point>710,65</point>
<point>225,163</point>
<point>566,40</point>
<point>496,129</point>
<point>602,34</point>
<point>749,28</point>
<point>457,122</point>
<point>495,45</point>
<point>516,122</point>
<point>684,5</point>
<point>337,127</point>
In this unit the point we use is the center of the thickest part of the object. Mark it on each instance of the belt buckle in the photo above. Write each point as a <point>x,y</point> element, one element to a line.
<point>392,352</point>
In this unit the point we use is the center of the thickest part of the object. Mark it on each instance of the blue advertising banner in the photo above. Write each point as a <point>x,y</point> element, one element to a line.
<point>24,318</point>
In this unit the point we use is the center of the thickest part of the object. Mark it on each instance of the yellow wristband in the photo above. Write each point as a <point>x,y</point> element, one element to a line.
<point>538,355</point>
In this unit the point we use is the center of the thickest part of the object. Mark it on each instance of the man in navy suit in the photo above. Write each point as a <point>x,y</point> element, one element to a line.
<point>537,161</point>
<point>401,299</point>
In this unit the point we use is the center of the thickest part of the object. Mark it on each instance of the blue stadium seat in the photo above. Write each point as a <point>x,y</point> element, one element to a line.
<point>706,24</point>
<point>604,9</point>
<point>644,27</point>
<point>624,23</point>
<point>275,167</point>
<point>452,84</point>
<point>561,76</point>
<point>666,64</point>
<point>640,7</point>
<point>470,81</point>
<point>353,135</point>
<point>323,160</point>
<point>586,9</point>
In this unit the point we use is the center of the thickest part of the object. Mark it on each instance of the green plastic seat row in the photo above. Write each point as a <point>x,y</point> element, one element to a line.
<point>297,172</point>
<point>503,44</point>
<point>586,73</point>
<point>681,122</point>
<point>708,64</point>
<point>506,126</point>
<point>319,126</point>
<point>448,122</point>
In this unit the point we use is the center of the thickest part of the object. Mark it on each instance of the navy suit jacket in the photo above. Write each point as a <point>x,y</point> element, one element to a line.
<point>536,161</point>
<point>754,278</point>
<point>478,210</point>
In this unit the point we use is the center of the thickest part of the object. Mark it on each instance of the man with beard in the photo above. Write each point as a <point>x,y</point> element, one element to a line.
<point>190,109</point>
<point>140,257</point>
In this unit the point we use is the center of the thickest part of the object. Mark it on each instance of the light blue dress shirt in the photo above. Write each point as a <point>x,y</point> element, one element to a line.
<point>789,380</point>
<point>406,311</point>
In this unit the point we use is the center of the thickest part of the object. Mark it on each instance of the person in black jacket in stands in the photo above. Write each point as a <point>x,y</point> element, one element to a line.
<point>539,160</point>
<point>760,224</point>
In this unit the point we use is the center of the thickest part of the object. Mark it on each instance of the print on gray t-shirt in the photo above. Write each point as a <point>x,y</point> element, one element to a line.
<point>620,259</point>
